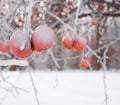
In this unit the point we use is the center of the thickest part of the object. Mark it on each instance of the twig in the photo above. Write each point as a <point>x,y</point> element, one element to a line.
<point>34,87</point>
<point>105,87</point>
<point>12,13</point>
<point>107,45</point>
<point>103,63</point>
<point>60,20</point>
<point>12,85</point>
<point>69,58</point>
<point>28,13</point>
<point>76,21</point>
<point>56,79</point>
<point>77,12</point>
<point>104,77</point>
<point>94,53</point>
<point>54,59</point>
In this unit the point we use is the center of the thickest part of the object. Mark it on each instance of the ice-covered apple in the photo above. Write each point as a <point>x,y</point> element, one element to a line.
<point>94,22</point>
<point>20,44</point>
<point>43,38</point>
<point>85,62</point>
<point>80,43</point>
<point>4,46</point>
<point>67,42</point>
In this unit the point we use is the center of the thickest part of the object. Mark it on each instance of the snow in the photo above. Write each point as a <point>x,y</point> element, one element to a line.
<point>61,88</point>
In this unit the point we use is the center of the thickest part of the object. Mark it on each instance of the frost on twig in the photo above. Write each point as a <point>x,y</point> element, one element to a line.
<point>34,87</point>
<point>103,63</point>
<point>104,76</point>
<point>54,59</point>
<point>11,85</point>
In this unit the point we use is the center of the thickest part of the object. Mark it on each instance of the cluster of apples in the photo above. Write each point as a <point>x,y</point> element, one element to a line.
<point>79,43</point>
<point>22,45</point>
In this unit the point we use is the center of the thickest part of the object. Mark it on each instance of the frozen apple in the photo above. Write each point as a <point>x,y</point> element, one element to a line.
<point>20,44</point>
<point>94,22</point>
<point>43,38</point>
<point>85,62</point>
<point>80,43</point>
<point>67,42</point>
<point>100,7</point>
<point>4,46</point>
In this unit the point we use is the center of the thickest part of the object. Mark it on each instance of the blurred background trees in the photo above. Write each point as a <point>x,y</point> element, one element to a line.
<point>97,20</point>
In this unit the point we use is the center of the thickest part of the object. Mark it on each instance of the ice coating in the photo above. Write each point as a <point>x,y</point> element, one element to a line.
<point>43,38</point>
<point>44,32</point>
<point>4,46</point>
<point>20,44</point>
<point>80,43</point>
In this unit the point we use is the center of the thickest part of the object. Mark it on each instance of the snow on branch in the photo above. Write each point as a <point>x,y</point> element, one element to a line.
<point>13,62</point>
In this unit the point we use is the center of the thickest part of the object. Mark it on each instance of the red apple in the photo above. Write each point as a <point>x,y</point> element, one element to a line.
<point>43,38</point>
<point>80,43</point>
<point>67,42</point>
<point>20,44</point>
<point>94,22</point>
<point>100,7</point>
<point>4,46</point>
<point>85,62</point>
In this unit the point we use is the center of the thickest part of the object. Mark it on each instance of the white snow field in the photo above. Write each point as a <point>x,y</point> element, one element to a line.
<point>60,88</point>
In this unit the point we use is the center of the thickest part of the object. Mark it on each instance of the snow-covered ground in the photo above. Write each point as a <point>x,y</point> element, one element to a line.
<point>60,88</point>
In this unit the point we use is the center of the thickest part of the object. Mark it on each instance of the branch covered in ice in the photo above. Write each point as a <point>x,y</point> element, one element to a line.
<point>13,62</point>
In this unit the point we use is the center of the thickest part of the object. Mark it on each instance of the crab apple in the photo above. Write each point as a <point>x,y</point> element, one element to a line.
<point>80,43</point>
<point>20,44</point>
<point>114,9</point>
<point>43,38</point>
<point>100,7</point>
<point>85,62</point>
<point>4,46</point>
<point>67,42</point>
<point>94,22</point>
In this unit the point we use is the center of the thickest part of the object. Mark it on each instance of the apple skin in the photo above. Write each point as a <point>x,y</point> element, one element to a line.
<point>67,42</point>
<point>94,22</point>
<point>100,7</point>
<point>80,43</point>
<point>4,46</point>
<point>20,44</point>
<point>85,62</point>
<point>43,38</point>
